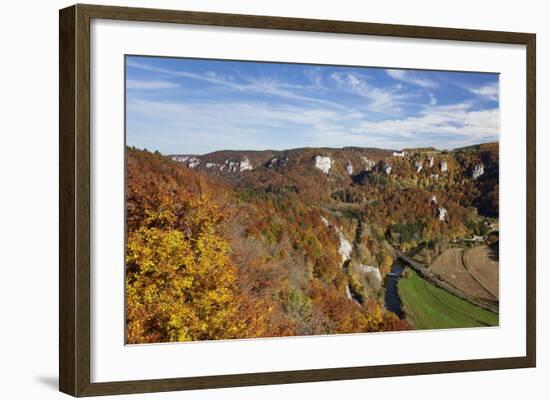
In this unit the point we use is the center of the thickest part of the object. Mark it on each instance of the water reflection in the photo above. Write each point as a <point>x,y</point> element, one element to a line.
<point>391,298</point>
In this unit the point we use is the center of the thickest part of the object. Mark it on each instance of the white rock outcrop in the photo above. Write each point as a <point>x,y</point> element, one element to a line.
<point>273,162</point>
<point>478,171</point>
<point>418,166</point>
<point>193,162</point>
<point>323,163</point>
<point>372,272</point>
<point>369,164</point>
<point>443,214</point>
<point>234,166</point>
<point>400,154</point>
<point>433,199</point>
<point>443,166</point>
<point>348,293</point>
<point>349,168</point>
<point>345,250</point>
<point>210,165</point>
<point>387,170</point>
<point>431,162</point>
<point>245,165</point>
<point>345,247</point>
<point>277,162</point>
<point>181,159</point>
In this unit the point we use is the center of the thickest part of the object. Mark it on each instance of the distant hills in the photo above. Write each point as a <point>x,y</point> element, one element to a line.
<point>323,171</point>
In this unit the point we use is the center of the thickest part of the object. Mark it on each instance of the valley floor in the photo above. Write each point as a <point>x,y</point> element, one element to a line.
<point>430,307</point>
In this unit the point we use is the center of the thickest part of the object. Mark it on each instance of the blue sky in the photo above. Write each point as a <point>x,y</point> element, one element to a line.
<point>198,106</point>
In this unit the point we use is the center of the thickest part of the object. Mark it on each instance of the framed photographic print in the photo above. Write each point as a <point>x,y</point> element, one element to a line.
<point>250,200</point>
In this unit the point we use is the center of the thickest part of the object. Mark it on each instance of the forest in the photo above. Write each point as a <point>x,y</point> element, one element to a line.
<point>248,244</point>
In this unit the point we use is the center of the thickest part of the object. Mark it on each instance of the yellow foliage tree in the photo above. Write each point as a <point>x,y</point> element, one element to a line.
<point>179,277</point>
<point>386,263</point>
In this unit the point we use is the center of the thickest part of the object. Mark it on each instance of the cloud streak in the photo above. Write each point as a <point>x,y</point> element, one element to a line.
<point>198,106</point>
<point>205,126</point>
<point>487,92</point>
<point>262,86</point>
<point>150,85</point>
<point>460,121</point>
<point>384,100</point>
<point>412,78</point>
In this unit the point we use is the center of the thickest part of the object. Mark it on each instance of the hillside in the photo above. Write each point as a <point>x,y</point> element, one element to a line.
<point>305,236</point>
<point>466,177</point>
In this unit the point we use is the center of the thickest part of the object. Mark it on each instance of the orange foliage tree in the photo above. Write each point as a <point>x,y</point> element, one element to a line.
<point>180,281</point>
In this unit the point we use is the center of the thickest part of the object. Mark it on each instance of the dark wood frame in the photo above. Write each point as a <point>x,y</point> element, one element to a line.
<point>74,199</point>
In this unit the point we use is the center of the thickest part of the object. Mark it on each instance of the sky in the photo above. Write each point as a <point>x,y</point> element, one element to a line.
<point>195,106</point>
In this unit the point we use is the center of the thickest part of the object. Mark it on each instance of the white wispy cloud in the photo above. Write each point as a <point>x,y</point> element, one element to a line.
<point>384,100</point>
<point>315,76</point>
<point>201,127</point>
<point>204,126</point>
<point>150,85</point>
<point>488,92</point>
<point>459,120</point>
<point>240,114</point>
<point>412,78</point>
<point>263,86</point>
<point>311,108</point>
<point>207,77</point>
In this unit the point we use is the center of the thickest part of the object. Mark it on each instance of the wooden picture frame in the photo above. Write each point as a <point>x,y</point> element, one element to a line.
<point>74,203</point>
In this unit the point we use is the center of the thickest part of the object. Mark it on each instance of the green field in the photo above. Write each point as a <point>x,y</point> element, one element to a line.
<point>431,307</point>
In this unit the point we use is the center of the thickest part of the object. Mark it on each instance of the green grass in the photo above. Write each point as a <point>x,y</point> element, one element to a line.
<point>431,307</point>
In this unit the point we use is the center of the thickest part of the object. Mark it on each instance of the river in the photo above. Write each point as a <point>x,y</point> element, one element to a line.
<point>391,298</point>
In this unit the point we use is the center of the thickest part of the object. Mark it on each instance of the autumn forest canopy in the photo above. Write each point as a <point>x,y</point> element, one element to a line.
<point>246,244</point>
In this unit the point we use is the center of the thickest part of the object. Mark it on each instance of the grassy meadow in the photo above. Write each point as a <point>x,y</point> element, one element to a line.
<point>431,307</point>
